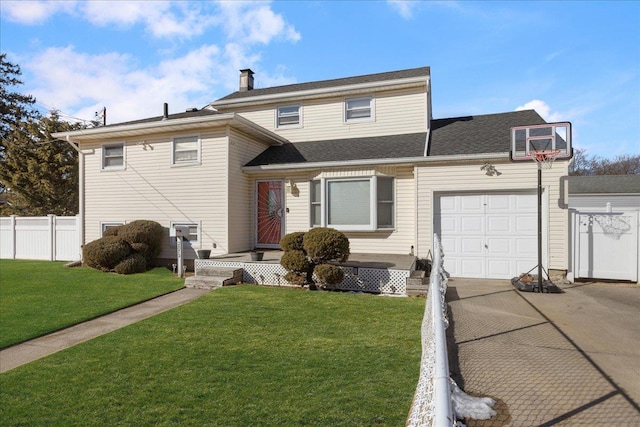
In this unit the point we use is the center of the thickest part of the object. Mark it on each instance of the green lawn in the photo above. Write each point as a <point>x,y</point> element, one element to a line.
<point>238,356</point>
<point>38,297</point>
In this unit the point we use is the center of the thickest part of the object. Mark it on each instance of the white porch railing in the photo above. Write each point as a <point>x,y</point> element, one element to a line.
<point>51,238</point>
<point>432,405</point>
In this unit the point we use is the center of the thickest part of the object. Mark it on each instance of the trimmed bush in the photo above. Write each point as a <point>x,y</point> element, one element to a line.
<point>292,241</point>
<point>111,231</point>
<point>134,263</point>
<point>105,253</point>
<point>326,244</point>
<point>143,231</point>
<point>144,250</point>
<point>295,261</point>
<point>116,248</point>
<point>329,275</point>
<point>296,278</point>
<point>306,253</point>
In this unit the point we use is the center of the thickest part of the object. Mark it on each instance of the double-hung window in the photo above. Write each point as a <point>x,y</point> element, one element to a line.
<point>288,115</point>
<point>186,150</point>
<point>358,109</point>
<point>113,156</point>
<point>359,204</point>
<point>193,236</point>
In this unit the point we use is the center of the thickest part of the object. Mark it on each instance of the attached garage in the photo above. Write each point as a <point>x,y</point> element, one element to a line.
<point>488,234</point>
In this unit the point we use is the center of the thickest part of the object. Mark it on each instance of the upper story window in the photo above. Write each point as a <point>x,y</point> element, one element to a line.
<point>288,115</point>
<point>360,204</point>
<point>186,150</point>
<point>113,156</point>
<point>358,109</point>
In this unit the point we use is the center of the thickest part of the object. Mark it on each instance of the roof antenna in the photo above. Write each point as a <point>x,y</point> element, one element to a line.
<point>102,115</point>
<point>166,112</point>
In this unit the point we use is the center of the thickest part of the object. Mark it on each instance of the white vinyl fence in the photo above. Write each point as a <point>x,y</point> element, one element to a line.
<point>51,238</point>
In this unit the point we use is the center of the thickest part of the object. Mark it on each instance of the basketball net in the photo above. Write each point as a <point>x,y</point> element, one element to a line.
<point>544,158</point>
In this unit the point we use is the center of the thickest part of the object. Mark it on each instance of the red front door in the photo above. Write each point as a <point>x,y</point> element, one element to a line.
<point>269,213</point>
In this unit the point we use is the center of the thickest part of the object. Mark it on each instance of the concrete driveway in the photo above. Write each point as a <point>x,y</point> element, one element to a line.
<point>548,359</point>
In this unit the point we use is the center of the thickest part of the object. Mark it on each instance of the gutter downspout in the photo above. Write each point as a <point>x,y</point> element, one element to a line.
<point>81,192</point>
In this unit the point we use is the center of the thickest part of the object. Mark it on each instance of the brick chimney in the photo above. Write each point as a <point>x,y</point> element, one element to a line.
<point>246,80</point>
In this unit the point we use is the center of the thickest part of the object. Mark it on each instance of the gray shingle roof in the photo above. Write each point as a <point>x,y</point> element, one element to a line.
<point>333,150</point>
<point>489,133</point>
<point>184,115</point>
<point>603,184</point>
<point>334,83</point>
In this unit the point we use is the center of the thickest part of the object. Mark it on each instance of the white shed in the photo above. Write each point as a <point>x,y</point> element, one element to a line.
<point>604,222</point>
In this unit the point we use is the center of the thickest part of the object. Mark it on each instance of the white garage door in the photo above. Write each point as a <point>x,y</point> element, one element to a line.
<point>492,235</point>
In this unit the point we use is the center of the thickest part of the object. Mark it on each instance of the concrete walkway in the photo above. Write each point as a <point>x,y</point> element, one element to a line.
<point>37,348</point>
<point>548,359</point>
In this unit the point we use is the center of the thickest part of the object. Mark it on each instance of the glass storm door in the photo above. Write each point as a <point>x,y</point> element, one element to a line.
<point>269,213</point>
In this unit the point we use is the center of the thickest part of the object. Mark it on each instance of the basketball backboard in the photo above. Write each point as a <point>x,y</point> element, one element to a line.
<point>529,142</point>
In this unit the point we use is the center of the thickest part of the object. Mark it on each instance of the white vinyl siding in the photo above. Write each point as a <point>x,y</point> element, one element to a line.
<point>396,112</point>
<point>359,109</point>
<point>288,116</point>
<point>151,189</point>
<point>186,150</point>
<point>521,176</point>
<point>240,209</point>
<point>113,156</point>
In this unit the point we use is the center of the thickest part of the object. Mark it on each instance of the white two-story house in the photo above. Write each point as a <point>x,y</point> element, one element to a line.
<point>360,154</point>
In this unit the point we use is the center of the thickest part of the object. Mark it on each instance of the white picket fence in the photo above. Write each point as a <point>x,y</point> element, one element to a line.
<point>51,238</point>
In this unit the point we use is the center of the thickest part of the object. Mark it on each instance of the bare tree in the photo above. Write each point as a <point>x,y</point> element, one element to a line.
<point>586,165</point>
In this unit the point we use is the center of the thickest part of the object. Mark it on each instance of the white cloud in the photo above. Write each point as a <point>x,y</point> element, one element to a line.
<point>403,7</point>
<point>544,110</point>
<point>34,12</point>
<point>255,23</point>
<point>81,84</point>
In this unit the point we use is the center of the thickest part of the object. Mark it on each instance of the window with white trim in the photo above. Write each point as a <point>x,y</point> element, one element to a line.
<point>358,109</point>
<point>193,236</point>
<point>113,156</point>
<point>288,115</point>
<point>186,150</point>
<point>354,204</point>
<point>104,226</point>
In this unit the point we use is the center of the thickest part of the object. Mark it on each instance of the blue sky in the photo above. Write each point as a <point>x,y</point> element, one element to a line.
<point>570,61</point>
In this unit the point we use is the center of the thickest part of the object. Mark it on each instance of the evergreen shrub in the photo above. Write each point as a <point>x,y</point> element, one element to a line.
<point>134,263</point>
<point>105,253</point>
<point>326,244</point>
<point>329,275</point>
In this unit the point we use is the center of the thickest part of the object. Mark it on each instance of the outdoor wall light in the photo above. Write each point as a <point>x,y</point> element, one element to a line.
<point>490,170</point>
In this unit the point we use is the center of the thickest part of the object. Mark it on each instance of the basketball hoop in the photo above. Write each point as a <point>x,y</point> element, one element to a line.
<point>544,158</point>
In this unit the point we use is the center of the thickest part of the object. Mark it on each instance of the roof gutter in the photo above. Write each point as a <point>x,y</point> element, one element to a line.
<point>376,162</point>
<point>80,192</point>
<point>158,126</point>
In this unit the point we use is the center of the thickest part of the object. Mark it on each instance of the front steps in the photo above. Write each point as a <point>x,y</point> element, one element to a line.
<point>417,284</point>
<point>214,277</point>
